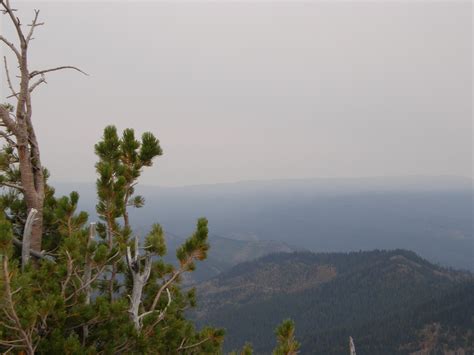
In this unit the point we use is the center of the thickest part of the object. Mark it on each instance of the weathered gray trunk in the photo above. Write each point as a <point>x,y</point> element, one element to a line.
<point>25,247</point>
<point>20,125</point>
<point>139,281</point>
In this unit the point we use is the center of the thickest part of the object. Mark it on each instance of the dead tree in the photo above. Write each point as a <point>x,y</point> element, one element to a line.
<point>140,279</point>
<point>16,125</point>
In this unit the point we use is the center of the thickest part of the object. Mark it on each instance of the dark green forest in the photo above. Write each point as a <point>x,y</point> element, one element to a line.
<point>383,299</point>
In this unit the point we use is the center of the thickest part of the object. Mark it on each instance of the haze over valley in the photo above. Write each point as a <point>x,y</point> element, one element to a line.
<point>429,215</point>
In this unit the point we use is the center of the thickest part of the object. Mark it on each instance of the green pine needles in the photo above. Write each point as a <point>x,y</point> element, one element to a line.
<point>286,342</point>
<point>98,290</point>
<point>68,286</point>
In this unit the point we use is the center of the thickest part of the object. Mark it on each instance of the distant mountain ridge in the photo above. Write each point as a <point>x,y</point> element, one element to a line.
<point>224,253</point>
<point>431,215</point>
<point>332,296</point>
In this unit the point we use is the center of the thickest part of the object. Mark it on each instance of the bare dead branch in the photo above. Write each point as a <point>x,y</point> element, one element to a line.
<point>32,87</point>
<point>13,186</point>
<point>34,253</point>
<point>15,20</point>
<point>162,288</point>
<point>17,290</point>
<point>7,73</point>
<point>33,25</point>
<point>92,279</point>
<point>38,83</point>
<point>68,274</point>
<point>8,138</point>
<point>40,72</point>
<point>181,348</point>
<point>11,46</point>
<point>8,325</point>
<point>175,275</point>
<point>12,343</point>
<point>162,312</point>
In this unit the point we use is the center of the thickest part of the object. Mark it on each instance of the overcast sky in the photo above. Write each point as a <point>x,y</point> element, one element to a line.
<point>259,90</point>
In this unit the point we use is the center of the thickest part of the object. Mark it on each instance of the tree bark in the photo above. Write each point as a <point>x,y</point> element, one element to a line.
<point>26,245</point>
<point>139,281</point>
<point>20,124</point>
<point>31,170</point>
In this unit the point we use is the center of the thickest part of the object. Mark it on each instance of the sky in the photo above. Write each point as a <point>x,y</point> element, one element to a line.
<point>241,90</point>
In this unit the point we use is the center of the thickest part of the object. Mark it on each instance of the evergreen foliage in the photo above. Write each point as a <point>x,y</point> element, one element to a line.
<point>81,299</point>
<point>286,342</point>
<point>247,349</point>
<point>92,289</point>
<point>383,299</point>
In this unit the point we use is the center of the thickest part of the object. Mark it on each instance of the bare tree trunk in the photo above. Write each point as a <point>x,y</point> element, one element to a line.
<point>139,281</point>
<point>25,248</point>
<point>19,124</point>
<point>31,170</point>
<point>126,220</point>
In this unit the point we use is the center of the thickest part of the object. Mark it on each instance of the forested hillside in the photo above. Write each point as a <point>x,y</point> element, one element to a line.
<point>386,300</point>
<point>226,253</point>
<point>429,215</point>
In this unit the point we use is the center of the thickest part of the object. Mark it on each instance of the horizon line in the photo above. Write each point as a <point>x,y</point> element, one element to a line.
<point>288,179</point>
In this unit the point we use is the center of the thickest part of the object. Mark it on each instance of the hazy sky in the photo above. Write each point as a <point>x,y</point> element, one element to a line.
<point>259,90</point>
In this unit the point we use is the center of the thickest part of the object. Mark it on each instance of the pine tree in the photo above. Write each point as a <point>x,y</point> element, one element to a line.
<point>246,350</point>
<point>96,289</point>
<point>286,342</point>
<point>102,291</point>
